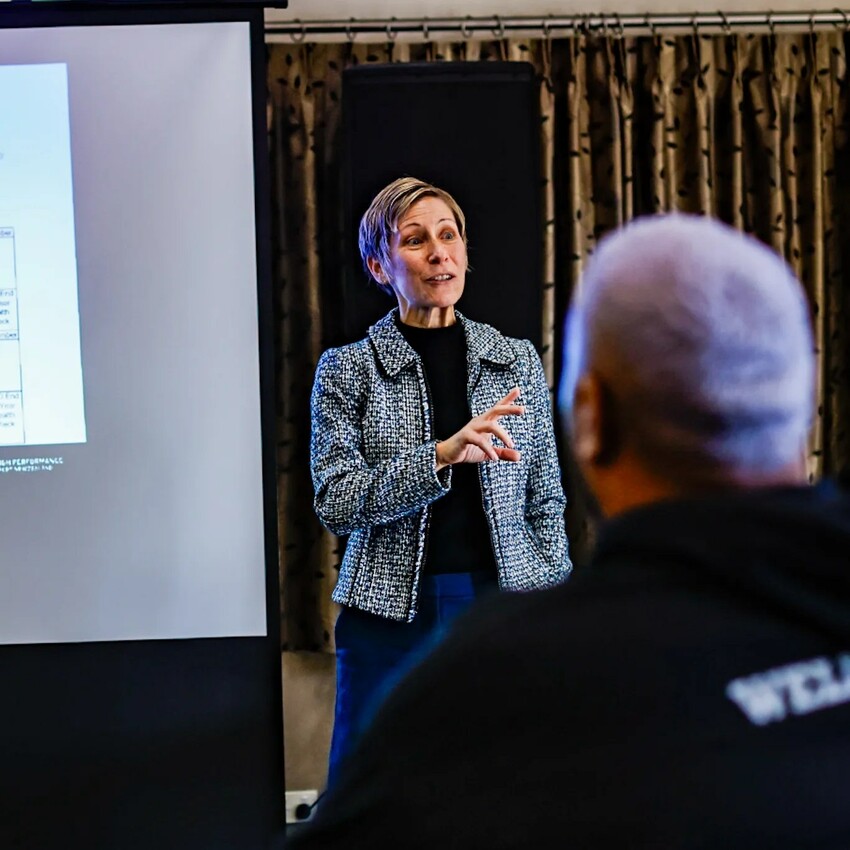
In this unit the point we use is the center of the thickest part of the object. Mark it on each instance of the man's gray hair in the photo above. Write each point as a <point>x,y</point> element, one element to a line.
<point>703,336</point>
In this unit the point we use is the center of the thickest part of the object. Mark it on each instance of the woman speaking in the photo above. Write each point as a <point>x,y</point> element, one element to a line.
<point>432,447</point>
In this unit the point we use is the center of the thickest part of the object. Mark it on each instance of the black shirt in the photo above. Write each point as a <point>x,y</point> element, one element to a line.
<point>458,535</point>
<point>690,690</point>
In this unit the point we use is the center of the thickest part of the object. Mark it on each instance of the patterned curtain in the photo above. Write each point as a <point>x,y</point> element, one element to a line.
<point>749,129</point>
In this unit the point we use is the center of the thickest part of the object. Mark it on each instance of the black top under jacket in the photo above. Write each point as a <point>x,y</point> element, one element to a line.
<point>689,689</point>
<point>458,536</point>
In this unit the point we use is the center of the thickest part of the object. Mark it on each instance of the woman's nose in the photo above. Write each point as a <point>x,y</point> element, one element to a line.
<point>438,253</point>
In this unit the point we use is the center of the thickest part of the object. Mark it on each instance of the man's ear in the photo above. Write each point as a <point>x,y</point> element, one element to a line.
<point>595,432</point>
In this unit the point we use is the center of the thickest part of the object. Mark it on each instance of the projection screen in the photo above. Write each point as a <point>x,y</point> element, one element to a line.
<point>131,493</point>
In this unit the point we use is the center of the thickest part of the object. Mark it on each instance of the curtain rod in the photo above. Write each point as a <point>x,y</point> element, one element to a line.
<point>497,27</point>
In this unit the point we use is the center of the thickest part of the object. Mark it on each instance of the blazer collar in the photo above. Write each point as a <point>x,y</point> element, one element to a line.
<point>484,342</point>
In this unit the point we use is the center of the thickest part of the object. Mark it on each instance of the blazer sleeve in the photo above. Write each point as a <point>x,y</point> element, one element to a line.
<point>544,500</point>
<point>351,494</point>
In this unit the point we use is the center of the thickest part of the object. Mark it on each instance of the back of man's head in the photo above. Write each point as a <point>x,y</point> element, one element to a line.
<point>700,343</point>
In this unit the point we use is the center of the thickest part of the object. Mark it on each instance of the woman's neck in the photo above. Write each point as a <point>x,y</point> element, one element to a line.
<point>427,317</point>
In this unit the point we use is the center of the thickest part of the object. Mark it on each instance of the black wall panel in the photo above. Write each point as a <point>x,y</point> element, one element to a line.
<point>471,128</point>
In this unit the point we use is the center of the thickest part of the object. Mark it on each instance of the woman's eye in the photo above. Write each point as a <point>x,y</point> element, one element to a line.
<point>414,240</point>
<point>449,234</point>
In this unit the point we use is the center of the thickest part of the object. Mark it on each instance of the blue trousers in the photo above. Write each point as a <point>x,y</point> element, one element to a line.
<point>373,653</point>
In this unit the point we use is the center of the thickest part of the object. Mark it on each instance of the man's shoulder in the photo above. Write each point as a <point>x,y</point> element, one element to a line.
<point>497,628</point>
<point>602,614</point>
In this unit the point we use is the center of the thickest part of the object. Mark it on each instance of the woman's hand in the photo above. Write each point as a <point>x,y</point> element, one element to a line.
<point>473,443</point>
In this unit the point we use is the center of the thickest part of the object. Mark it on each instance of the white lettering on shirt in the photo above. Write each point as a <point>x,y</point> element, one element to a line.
<point>795,689</point>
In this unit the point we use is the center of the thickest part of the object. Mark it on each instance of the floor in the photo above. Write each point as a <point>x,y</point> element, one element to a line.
<point>308,699</point>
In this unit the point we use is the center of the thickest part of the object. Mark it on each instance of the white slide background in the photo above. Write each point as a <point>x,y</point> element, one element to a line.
<point>38,269</point>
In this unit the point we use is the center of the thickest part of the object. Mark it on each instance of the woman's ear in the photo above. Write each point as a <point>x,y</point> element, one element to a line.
<point>377,271</point>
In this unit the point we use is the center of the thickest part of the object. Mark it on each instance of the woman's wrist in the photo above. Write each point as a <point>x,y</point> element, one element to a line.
<point>441,463</point>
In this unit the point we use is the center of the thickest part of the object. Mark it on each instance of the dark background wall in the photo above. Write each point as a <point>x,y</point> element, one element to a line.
<point>469,128</point>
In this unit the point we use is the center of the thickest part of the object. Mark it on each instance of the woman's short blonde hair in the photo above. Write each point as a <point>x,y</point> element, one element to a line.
<point>381,220</point>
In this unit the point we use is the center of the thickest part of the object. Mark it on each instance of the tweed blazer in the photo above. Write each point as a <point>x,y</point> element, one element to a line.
<point>373,463</point>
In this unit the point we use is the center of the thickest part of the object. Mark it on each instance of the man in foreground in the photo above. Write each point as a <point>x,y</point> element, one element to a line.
<point>691,687</point>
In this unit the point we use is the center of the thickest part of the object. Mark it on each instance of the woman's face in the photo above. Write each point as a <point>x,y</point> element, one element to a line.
<point>427,267</point>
